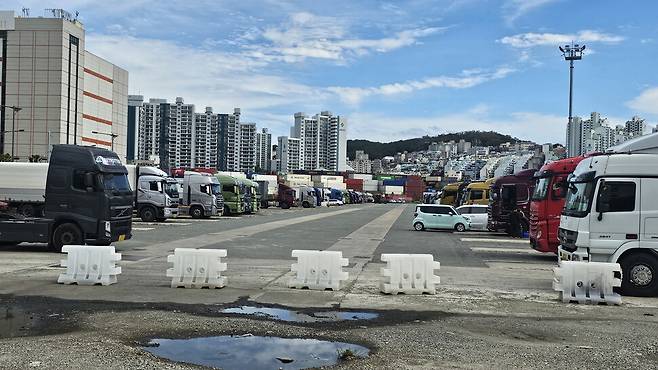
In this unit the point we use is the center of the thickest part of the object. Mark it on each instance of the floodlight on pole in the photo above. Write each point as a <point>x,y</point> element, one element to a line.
<point>110,134</point>
<point>570,53</point>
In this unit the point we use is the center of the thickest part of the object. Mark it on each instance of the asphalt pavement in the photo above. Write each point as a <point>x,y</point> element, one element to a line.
<point>494,307</point>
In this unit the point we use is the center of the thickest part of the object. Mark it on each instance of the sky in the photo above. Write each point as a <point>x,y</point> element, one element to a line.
<point>394,69</point>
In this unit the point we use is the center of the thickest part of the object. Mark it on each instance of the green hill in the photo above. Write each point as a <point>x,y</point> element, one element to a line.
<point>378,150</point>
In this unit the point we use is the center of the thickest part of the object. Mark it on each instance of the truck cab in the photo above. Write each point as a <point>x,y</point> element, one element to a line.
<point>153,196</point>
<point>306,197</point>
<point>478,192</point>
<point>286,196</point>
<point>253,192</point>
<point>233,191</point>
<point>506,194</point>
<point>547,201</point>
<point>452,194</point>
<point>611,213</point>
<point>88,199</point>
<point>201,195</point>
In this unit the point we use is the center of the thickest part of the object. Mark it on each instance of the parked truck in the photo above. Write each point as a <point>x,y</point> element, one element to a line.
<point>87,199</point>
<point>478,192</point>
<point>23,187</point>
<point>611,213</point>
<point>233,191</point>
<point>547,201</point>
<point>252,192</point>
<point>306,196</point>
<point>201,195</point>
<point>155,193</point>
<point>509,193</point>
<point>286,197</point>
<point>453,194</point>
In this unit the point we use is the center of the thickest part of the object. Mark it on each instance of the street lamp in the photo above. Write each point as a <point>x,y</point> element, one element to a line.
<point>14,110</point>
<point>570,53</point>
<point>110,134</point>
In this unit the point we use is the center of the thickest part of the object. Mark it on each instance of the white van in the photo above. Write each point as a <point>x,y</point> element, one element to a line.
<point>611,213</point>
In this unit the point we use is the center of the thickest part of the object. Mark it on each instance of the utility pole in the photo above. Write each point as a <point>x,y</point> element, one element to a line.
<point>14,110</point>
<point>570,53</point>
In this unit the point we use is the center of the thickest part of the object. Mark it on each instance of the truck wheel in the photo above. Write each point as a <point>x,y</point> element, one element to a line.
<point>305,204</point>
<point>418,226</point>
<point>639,275</point>
<point>227,211</point>
<point>285,205</point>
<point>27,210</point>
<point>460,227</point>
<point>66,234</point>
<point>196,212</point>
<point>147,214</point>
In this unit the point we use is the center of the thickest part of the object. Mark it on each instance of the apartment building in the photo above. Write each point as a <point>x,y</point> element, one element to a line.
<point>288,154</point>
<point>264,150</point>
<point>596,134</point>
<point>54,91</point>
<point>206,139</point>
<point>323,141</point>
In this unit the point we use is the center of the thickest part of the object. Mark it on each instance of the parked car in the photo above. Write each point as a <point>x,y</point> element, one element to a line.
<point>477,214</point>
<point>438,216</point>
<point>334,202</point>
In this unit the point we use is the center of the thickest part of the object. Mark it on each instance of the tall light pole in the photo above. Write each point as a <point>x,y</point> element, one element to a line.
<point>570,53</point>
<point>14,110</point>
<point>110,134</point>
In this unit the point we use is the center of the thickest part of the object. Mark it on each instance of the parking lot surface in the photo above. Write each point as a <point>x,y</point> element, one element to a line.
<point>494,306</point>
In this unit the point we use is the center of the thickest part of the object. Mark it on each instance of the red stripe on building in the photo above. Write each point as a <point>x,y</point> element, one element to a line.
<point>102,77</point>
<point>97,97</point>
<point>92,118</point>
<point>96,141</point>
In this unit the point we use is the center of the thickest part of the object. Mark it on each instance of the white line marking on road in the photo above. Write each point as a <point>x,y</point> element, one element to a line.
<point>491,240</point>
<point>143,228</point>
<point>161,223</point>
<point>507,250</point>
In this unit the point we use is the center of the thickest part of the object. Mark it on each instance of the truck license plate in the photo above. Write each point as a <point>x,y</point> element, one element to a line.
<point>122,237</point>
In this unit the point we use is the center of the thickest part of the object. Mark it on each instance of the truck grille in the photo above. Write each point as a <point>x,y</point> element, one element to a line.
<point>567,239</point>
<point>121,212</point>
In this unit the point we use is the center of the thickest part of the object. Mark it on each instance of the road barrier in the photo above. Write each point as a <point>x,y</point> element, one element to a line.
<point>197,268</point>
<point>89,265</point>
<point>409,274</point>
<point>587,282</point>
<point>318,270</point>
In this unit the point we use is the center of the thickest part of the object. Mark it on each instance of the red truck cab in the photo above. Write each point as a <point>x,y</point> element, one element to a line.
<point>507,193</point>
<point>547,202</point>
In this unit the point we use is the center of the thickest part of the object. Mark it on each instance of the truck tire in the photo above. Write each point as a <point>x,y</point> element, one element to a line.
<point>264,204</point>
<point>639,275</point>
<point>196,212</point>
<point>285,205</point>
<point>65,234</point>
<point>147,214</point>
<point>306,204</point>
<point>227,211</point>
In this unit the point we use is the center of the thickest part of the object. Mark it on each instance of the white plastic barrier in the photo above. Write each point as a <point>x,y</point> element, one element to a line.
<point>90,265</point>
<point>197,268</point>
<point>587,282</point>
<point>318,270</point>
<point>409,274</point>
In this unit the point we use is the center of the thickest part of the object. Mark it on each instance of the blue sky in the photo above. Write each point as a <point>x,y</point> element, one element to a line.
<point>394,69</point>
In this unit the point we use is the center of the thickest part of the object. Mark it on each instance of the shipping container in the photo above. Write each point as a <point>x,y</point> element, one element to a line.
<point>391,189</point>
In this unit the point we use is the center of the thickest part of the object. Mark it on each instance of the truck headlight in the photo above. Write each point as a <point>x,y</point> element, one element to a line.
<point>108,226</point>
<point>168,202</point>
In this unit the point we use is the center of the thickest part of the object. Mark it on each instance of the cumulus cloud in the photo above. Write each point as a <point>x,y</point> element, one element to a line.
<point>514,9</point>
<point>468,78</point>
<point>528,40</point>
<point>524,125</point>
<point>307,35</point>
<point>646,102</point>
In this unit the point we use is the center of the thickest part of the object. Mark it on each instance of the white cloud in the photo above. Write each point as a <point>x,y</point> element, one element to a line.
<point>534,126</point>
<point>468,78</point>
<point>514,9</point>
<point>646,102</point>
<point>311,36</point>
<point>528,40</point>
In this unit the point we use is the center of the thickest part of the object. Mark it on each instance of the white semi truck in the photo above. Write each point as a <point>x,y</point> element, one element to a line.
<point>611,213</point>
<point>155,194</point>
<point>23,187</point>
<point>201,195</point>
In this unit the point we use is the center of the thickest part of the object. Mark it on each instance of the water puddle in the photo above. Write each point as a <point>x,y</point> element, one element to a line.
<point>300,316</point>
<point>14,322</point>
<point>254,352</point>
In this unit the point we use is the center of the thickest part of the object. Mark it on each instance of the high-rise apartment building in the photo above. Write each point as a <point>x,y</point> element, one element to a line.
<point>206,139</point>
<point>595,134</point>
<point>264,150</point>
<point>61,93</point>
<point>288,154</point>
<point>237,143</point>
<point>323,140</point>
<point>361,162</point>
<point>635,127</point>
<point>132,136</point>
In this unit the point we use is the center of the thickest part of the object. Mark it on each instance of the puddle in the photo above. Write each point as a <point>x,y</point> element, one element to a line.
<point>14,322</point>
<point>253,352</point>
<point>299,316</point>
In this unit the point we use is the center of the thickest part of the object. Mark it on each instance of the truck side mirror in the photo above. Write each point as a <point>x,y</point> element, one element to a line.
<point>603,200</point>
<point>89,181</point>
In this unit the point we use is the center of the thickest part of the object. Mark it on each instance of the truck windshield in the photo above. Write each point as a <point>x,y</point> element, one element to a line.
<point>541,189</point>
<point>579,199</point>
<point>216,189</point>
<point>171,188</point>
<point>115,182</point>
